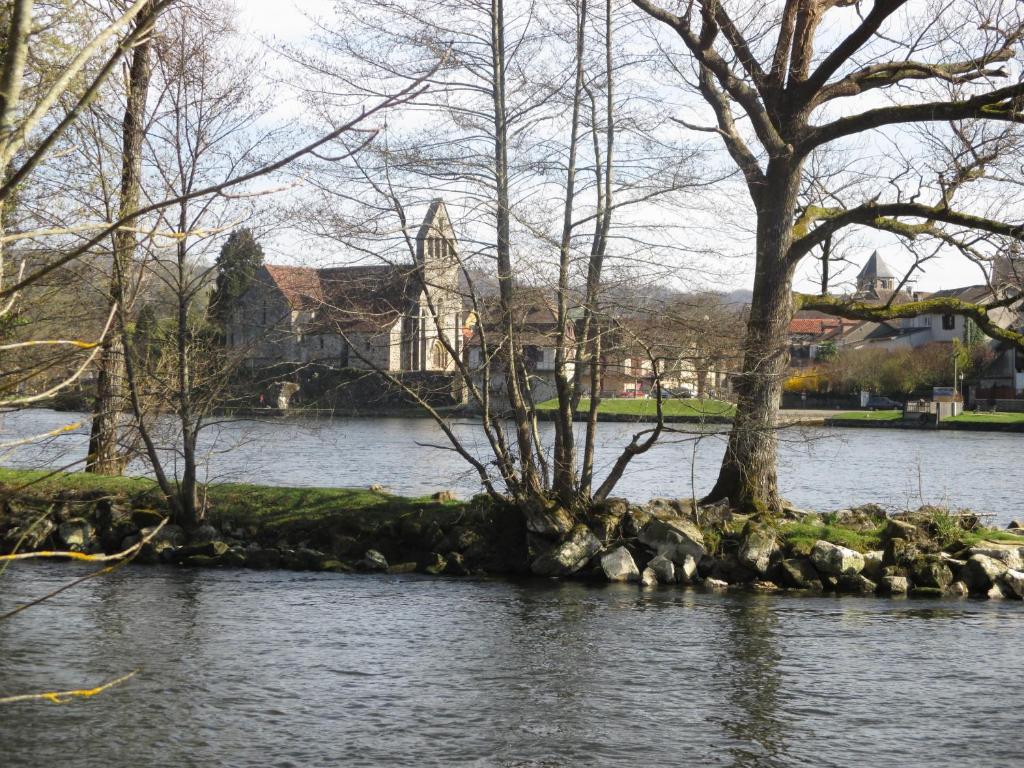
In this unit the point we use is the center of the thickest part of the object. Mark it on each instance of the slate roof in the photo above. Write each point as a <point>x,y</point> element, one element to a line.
<point>875,267</point>
<point>360,298</point>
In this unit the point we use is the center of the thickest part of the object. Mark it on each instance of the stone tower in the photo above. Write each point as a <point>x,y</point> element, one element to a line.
<point>438,261</point>
<point>876,276</point>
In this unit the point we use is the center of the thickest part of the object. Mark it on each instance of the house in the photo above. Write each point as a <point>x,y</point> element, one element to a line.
<point>387,317</point>
<point>877,284</point>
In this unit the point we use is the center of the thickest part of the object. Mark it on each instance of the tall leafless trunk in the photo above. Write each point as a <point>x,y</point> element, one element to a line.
<point>106,456</point>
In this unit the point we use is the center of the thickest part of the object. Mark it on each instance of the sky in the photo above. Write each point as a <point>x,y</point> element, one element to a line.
<point>287,21</point>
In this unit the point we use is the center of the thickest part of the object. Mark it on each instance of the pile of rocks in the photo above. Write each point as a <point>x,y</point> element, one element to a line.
<point>663,544</point>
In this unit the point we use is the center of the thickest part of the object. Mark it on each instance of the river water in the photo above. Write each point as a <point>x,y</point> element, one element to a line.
<point>242,668</point>
<point>821,469</point>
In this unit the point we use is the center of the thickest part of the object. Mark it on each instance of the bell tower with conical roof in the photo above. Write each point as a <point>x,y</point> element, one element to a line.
<point>876,276</point>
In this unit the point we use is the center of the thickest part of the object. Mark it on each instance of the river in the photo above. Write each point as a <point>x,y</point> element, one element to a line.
<point>242,668</point>
<point>821,469</point>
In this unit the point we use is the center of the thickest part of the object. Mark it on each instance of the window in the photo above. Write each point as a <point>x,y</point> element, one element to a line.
<point>948,322</point>
<point>439,356</point>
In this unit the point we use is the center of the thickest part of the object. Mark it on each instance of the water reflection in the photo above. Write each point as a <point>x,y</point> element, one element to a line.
<point>749,670</point>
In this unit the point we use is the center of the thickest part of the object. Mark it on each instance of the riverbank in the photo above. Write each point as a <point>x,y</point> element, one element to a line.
<point>926,552</point>
<point>968,421</point>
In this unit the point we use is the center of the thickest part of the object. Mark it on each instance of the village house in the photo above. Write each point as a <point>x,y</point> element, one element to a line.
<point>878,284</point>
<point>386,317</point>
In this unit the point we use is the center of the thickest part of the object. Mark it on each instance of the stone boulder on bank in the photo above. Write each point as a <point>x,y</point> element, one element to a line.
<point>569,556</point>
<point>758,547</point>
<point>834,560</point>
<point>673,538</point>
<point>799,573</point>
<point>76,535</point>
<point>981,573</point>
<point>664,569</point>
<point>618,565</point>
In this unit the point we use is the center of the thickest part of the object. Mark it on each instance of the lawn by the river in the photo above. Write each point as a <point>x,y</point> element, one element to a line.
<point>968,417</point>
<point>648,407</point>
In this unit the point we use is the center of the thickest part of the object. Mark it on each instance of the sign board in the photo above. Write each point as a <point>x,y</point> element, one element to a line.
<point>944,394</point>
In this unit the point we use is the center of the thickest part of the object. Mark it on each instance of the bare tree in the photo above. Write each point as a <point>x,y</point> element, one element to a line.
<point>779,86</point>
<point>537,140</point>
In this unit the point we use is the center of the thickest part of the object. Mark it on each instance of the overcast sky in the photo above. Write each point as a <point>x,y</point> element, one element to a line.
<point>287,21</point>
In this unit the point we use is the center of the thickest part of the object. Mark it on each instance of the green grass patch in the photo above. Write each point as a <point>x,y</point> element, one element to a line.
<point>801,536</point>
<point>869,416</point>
<point>648,407</point>
<point>987,418</point>
<point>289,512</point>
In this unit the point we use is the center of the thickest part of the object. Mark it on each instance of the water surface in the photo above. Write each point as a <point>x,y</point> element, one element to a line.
<point>288,669</point>
<point>822,469</point>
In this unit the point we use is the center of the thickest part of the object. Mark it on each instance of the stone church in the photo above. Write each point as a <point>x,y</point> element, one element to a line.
<point>382,317</point>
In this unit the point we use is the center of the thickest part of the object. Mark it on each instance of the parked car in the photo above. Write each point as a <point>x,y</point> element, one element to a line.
<point>879,403</point>
<point>635,393</point>
<point>683,393</point>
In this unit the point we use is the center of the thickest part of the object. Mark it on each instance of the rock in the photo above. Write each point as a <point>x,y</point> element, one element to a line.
<point>204,533</point>
<point>171,535</point>
<point>894,585</point>
<point>873,566</point>
<point>930,572</point>
<point>686,572</point>
<point>570,555</point>
<point>434,564</point>
<point>855,584</point>
<point>799,573</point>
<point>376,488</point>
<point>715,514</point>
<point>675,539</point>
<point>146,518</point>
<point>233,558</point>
<point>76,535</point>
<point>396,568</point>
<point>758,547</point>
<point>262,558</point>
<point>664,569</point>
<point>372,562</point>
<point>957,589</point>
<point>900,553</point>
<point>207,549</point>
<point>1015,525</point>
<point>30,536</point>
<point>765,587</point>
<point>716,584</point>
<point>614,506</point>
<point>835,560</point>
<point>443,496</point>
<point>926,592</point>
<point>618,565</point>
<point>982,572</point>
<point>1014,581</point>
<point>553,521</point>
<point>1007,555</point>
<point>634,522</point>
<point>649,578</point>
<point>605,526</point>
<point>996,592</point>
<point>863,518</point>
<point>335,566</point>
<point>455,565</point>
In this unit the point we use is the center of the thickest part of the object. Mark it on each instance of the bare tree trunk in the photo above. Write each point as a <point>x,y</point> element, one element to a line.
<point>105,456</point>
<point>532,488</point>
<point>748,475</point>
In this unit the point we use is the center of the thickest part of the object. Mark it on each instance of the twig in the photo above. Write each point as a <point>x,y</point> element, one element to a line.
<point>62,697</point>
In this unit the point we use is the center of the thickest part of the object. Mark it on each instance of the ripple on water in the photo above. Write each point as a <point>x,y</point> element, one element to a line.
<point>284,669</point>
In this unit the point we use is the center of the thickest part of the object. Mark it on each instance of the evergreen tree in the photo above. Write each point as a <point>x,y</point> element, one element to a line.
<point>239,259</point>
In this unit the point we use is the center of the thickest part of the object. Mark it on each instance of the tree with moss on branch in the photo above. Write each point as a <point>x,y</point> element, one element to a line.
<point>924,103</point>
